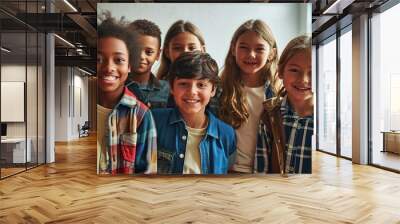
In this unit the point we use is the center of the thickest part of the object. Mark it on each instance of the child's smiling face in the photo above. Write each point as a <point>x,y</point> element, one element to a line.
<point>297,77</point>
<point>251,52</point>
<point>183,42</point>
<point>192,95</point>
<point>149,53</point>
<point>112,64</point>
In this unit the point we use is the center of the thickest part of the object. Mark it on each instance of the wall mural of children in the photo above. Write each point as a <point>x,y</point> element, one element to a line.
<point>189,102</point>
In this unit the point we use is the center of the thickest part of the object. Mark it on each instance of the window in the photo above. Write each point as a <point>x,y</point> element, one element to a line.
<point>327,96</point>
<point>346,93</point>
<point>385,86</point>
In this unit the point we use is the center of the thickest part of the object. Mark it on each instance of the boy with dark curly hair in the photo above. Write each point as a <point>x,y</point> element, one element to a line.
<point>192,140</point>
<point>126,135</point>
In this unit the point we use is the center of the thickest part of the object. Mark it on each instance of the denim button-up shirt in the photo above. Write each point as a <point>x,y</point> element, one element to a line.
<point>217,148</point>
<point>155,94</point>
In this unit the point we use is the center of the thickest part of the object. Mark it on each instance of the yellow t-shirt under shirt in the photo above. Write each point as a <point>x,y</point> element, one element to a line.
<point>192,163</point>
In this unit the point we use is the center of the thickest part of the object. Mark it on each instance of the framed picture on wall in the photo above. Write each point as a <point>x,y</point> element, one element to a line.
<point>191,88</point>
<point>12,101</point>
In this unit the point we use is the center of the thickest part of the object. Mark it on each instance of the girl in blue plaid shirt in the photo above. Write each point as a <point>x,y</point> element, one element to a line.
<point>248,79</point>
<point>290,114</point>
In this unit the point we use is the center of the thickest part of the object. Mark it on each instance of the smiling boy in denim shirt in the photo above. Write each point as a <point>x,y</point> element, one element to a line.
<point>191,139</point>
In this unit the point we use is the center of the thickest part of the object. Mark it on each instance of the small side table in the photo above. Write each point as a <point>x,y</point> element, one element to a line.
<point>391,141</point>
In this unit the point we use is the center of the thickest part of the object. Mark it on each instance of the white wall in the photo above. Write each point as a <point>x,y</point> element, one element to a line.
<point>71,93</point>
<point>13,73</point>
<point>61,104</point>
<point>80,112</point>
<point>218,21</point>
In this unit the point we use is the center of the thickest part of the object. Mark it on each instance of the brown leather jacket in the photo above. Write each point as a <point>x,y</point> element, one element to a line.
<point>272,118</point>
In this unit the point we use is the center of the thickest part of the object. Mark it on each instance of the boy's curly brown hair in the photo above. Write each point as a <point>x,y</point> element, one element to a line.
<point>146,27</point>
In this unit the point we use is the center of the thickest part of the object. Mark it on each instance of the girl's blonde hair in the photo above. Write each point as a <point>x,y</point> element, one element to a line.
<point>296,45</point>
<point>233,107</point>
<point>178,27</point>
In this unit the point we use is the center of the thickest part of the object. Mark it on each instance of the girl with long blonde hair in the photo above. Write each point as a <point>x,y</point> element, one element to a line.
<point>248,78</point>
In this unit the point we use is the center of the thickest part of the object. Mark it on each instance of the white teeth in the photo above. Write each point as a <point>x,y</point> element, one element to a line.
<point>110,78</point>
<point>191,101</point>
<point>302,88</point>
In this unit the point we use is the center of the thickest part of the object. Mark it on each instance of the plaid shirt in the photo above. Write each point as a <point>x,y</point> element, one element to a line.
<point>298,133</point>
<point>131,139</point>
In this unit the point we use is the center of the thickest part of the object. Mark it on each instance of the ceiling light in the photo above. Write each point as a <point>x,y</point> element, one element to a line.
<point>70,5</point>
<point>84,71</point>
<point>5,50</point>
<point>65,41</point>
<point>329,9</point>
<point>79,51</point>
<point>337,7</point>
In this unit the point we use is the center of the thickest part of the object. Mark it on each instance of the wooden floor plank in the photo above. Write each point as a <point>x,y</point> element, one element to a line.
<point>69,191</point>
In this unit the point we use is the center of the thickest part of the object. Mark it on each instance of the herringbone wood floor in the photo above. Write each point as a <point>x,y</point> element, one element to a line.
<point>69,191</point>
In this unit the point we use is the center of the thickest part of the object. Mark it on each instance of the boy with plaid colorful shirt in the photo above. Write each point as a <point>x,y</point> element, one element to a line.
<point>126,138</point>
